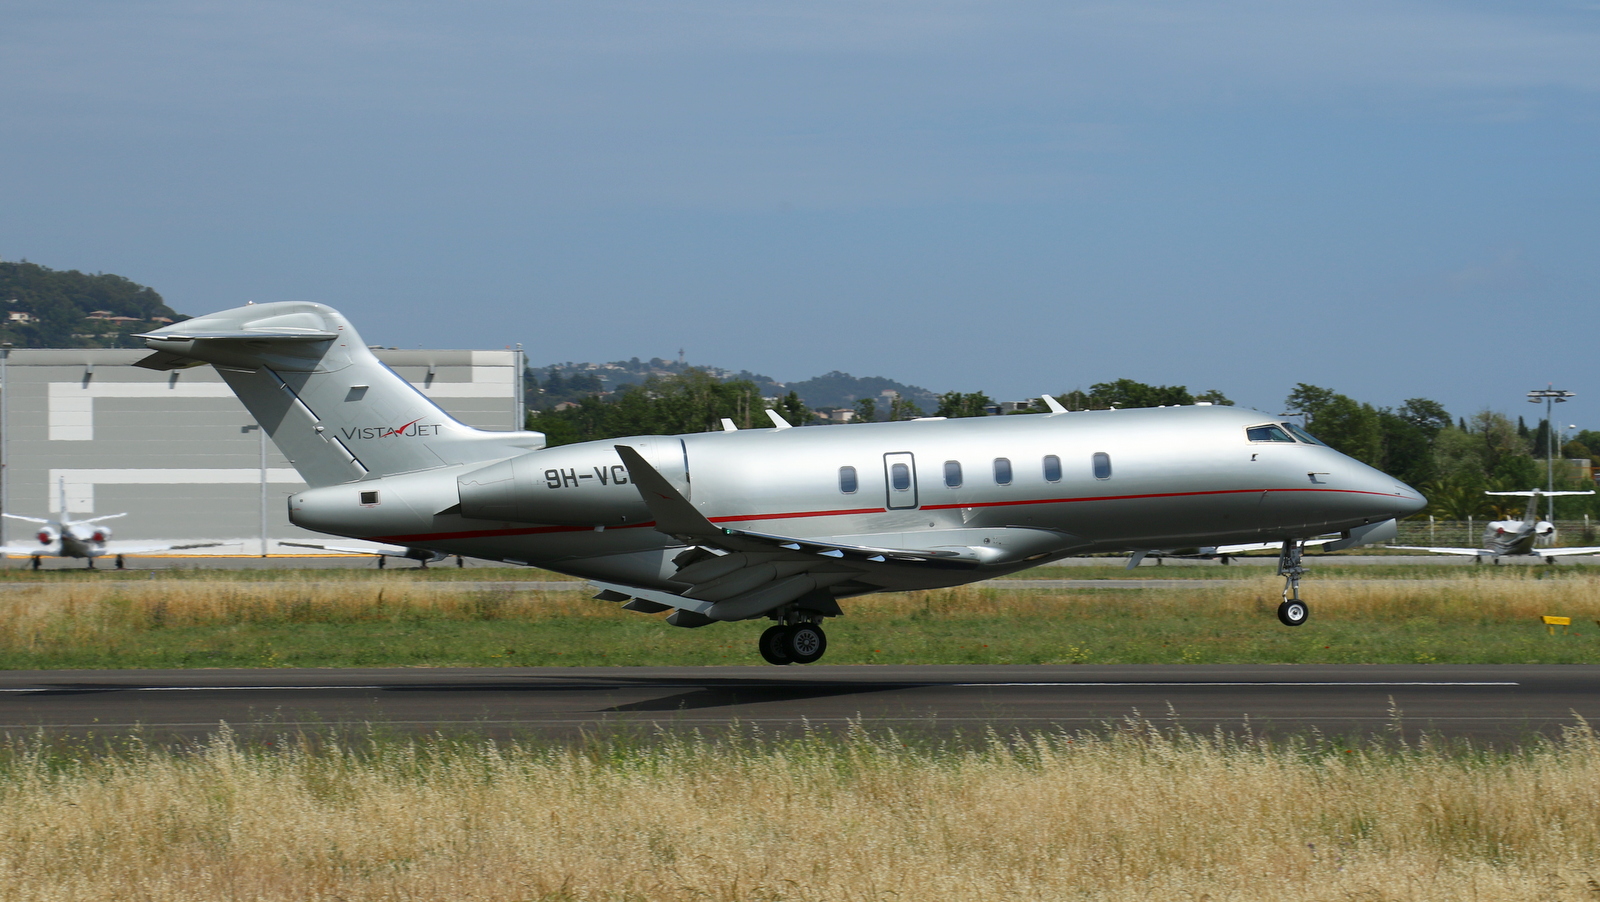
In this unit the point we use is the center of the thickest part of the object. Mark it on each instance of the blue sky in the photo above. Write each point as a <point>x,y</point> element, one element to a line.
<point>1391,199</point>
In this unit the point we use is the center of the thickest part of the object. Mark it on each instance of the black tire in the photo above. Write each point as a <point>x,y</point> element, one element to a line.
<point>804,642</point>
<point>772,645</point>
<point>1293,612</point>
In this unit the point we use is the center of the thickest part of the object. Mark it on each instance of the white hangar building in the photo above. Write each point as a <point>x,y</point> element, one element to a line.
<point>178,452</point>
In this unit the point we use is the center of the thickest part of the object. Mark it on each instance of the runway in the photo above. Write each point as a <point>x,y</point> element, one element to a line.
<point>1487,703</point>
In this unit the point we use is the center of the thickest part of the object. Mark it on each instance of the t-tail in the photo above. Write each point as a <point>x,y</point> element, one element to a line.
<point>336,411</point>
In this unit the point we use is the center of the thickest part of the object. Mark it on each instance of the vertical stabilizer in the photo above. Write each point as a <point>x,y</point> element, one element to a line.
<point>329,405</point>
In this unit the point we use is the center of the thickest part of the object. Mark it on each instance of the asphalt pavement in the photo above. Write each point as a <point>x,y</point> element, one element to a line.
<point>1496,704</point>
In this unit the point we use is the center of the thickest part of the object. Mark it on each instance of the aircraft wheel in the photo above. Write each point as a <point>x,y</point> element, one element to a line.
<point>1293,613</point>
<point>772,645</point>
<point>36,562</point>
<point>804,642</point>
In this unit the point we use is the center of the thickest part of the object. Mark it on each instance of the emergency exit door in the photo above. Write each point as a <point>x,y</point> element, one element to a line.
<point>900,475</point>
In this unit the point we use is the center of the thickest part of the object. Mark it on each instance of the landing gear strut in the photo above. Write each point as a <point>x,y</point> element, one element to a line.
<point>802,642</point>
<point>1293,611</point>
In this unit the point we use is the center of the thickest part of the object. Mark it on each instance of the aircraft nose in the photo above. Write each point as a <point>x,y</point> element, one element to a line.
<point>1407,500</point>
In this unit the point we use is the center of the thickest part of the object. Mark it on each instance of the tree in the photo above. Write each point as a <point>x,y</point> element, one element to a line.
<point>903,409</point>
<point>955,404</point>
<point>1341,422</point>
<point>866,411</point>
<point>1408,439</point>
<point>791,408</point>
<point>1125,393</point>
<point>1212,396</point>
<point>691,401</point>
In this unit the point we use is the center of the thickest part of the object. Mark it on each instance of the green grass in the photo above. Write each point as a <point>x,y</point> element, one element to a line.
<point>1481,616</point>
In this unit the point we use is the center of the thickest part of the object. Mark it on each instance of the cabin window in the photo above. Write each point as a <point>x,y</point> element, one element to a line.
<point>900,477</point>
<point>1002,471</point>
<point>369,497</point>
<point>1301,434</point>
<point>952,473</point>
<point>1052,468</point>
<point>1267,433</point>
<point>1102,465</point>
<point>847,480</point>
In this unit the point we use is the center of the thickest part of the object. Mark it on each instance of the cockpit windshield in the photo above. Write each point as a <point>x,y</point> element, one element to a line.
<point>1301,434</point>
<point>1267,433</point>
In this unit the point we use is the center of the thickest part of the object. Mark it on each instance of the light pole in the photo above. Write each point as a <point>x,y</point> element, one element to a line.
<point>1550,395</point>
<point>5,438</point>
<point>262,436</point>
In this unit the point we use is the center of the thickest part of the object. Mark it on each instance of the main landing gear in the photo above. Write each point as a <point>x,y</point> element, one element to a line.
<point>793,643</point>
<point>1293,611</point>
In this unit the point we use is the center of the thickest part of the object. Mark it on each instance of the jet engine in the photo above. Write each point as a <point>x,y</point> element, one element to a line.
<point>100,535</point>
<point>579,485</point>
<point>48,535</point>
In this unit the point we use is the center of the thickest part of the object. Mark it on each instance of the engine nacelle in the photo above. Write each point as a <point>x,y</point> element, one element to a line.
<point>101,535</point>
<point>576,485</point>
<point>47,535</point>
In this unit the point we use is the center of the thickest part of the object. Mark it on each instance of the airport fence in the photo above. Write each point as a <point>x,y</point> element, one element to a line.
<point>1469,533</point>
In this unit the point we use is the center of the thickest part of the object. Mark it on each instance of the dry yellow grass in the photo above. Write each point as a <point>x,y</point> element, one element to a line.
<point>1508,594</point>
<point>1489,594</point>
<point>1127,816</point>
<point>99,608</point>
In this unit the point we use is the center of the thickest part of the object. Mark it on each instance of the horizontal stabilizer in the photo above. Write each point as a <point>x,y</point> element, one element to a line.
<point>244,335</point>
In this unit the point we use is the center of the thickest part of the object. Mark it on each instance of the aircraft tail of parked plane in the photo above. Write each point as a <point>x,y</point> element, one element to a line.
<point>1515,538</point>
<point>336,411</point>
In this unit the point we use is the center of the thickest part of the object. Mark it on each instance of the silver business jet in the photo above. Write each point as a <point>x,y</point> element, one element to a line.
<point>82,539</point>
<point>1515,538</point>
<point>773,524</point>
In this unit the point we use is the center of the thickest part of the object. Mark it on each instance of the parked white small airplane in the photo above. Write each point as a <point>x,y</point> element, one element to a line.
<point>1515,538</point>
<point>86,539</point>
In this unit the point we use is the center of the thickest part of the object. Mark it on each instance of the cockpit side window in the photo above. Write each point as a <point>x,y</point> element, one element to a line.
<point>1267,433</point>
<point>1301,434</point>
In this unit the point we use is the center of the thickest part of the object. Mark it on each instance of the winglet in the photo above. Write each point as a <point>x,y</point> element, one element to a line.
<point>1053,404</point>
<point>778,421</point>
<point>673,513</point>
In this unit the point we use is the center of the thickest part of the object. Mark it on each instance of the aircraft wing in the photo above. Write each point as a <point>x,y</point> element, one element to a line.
<point>415,554</point>
<point>121,548</point>
<point>733,574</point>
<point>1472,551</point>
<point>1560,552</point>
<point>26,519</point>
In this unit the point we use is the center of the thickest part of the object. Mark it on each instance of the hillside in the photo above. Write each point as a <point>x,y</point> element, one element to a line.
<point>46,308</point>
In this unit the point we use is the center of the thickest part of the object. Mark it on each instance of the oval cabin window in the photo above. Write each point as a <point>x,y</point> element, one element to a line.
<point>1002,471</point>
<point>847,480</point>
<point>1052,468</point>
<point>1102,465</point>
<point>952,473</point>
<point>900,477</point>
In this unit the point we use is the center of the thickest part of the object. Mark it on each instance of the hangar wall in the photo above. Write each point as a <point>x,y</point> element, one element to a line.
<point>177,451</point>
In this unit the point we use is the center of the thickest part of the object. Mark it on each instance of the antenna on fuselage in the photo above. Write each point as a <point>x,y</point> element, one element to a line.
<point>1053,404</point>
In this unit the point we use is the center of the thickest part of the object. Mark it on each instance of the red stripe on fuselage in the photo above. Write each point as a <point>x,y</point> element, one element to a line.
<point>793,515</point>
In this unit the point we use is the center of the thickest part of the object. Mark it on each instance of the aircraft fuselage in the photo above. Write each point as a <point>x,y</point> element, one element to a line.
<point>1014,491</point>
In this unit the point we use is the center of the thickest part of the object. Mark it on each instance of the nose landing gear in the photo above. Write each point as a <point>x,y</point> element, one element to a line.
<point>1293,611</point>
